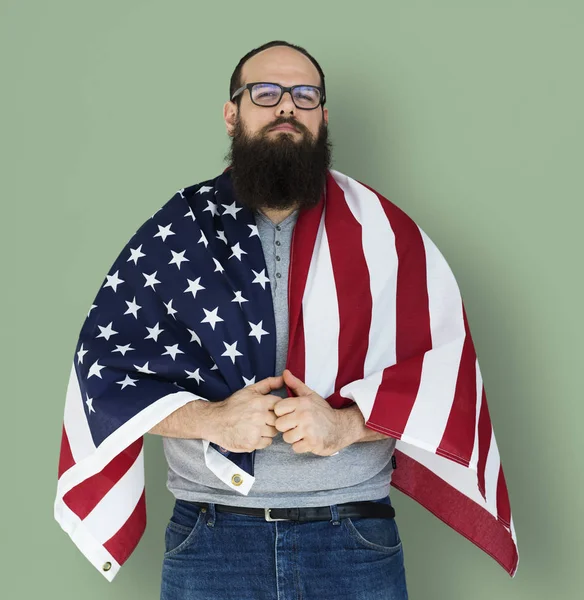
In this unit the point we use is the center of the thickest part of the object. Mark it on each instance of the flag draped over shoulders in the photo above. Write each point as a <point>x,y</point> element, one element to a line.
<point>185,313</point>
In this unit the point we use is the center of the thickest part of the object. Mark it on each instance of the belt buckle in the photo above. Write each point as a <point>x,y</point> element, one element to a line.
<point>270,518</point>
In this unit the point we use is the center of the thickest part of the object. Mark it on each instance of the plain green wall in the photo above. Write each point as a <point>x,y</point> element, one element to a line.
<point>466,114</point>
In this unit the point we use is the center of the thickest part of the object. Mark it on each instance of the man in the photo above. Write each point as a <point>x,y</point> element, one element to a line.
<point>281,491</point>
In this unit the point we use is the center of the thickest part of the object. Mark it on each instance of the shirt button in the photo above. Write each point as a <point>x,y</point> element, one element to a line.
<point>278,275</point>
<point>277,242</point>
<point>278,227</point>
<point>277,258</point>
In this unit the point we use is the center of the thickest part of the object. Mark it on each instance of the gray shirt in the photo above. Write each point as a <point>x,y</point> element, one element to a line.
<point>362,471</point>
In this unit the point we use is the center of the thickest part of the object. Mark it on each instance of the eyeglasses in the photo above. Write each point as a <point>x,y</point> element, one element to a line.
<point>262,93</point>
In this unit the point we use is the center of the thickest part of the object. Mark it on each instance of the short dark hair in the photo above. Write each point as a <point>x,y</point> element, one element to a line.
<point>235,82</point>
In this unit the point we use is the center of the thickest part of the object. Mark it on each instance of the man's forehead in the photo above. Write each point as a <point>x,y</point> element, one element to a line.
<point>280,64</point>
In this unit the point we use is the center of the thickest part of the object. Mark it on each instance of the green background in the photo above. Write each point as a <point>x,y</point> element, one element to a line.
<point>466,114</point>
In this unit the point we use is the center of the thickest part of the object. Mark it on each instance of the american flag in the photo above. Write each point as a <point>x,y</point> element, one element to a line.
<point>376,318</point>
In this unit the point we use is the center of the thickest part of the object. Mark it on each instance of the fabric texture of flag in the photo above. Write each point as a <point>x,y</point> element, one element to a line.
<point>185,312</point>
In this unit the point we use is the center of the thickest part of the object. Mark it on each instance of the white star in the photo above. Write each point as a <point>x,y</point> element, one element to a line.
<point>154,332</point>
<point>254,230</point>
<point>194,375</point>
<point>203,239</point>
<point>211,207</point>
<point>81,354</point>
<point>214,367</point>
<point>194,337</point>
<point>231,210</point>
<point>181,192</point>
<point>133,308</point>
<point>113,281</point>
<point>237,251</point>
<point>203,189</point>
<point>190,214</point>
<point>249,381</point>
<point>231,351</point>
<point>218,266</point>
<point>194,286</point>
<point>221,236</point>
<point>172,351</point>
<point>169,309</point>
<point>257,331</point>
<point>211,317</point>
<point>95,369</point>
<point>123,349</point>
<point>151,280</point>
<point>164,232</point>
<point>178,258</point>
<point>106,332</point>
<point>89,403</point>
<point>144,369</point>
<point>92,307</point>
<point>261,278</point>
<point>136,253</point>
<point>239,298</point>
<point>127,381</point>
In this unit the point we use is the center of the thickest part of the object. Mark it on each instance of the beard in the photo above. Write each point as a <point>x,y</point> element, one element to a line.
<point>275,170</point>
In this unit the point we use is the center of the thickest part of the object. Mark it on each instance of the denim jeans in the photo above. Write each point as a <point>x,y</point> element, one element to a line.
<point>212,555</point>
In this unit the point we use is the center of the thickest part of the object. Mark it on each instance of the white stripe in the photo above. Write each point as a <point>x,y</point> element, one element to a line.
<point>492,475</point>
<point>75,421</point>
<point>378,241</point>
<point>125,435</point>
<point>429,415</point>
<point>95,553</point>
<point>320,311</point>
<point>116,507</point>
<point>473,464</point>
<point>363,392</point>
<point>224,469</point>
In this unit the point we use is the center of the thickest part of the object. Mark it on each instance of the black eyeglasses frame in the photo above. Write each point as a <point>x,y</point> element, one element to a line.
<point>283,90</point>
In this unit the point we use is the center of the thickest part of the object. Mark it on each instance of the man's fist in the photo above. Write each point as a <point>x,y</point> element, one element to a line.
<point>308,421</point>
<point>245,420</point>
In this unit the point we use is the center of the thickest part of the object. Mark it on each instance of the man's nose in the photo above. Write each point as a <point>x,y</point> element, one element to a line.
<point>286,104</point>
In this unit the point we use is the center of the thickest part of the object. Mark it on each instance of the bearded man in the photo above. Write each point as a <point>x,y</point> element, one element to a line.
<point>294,325</point>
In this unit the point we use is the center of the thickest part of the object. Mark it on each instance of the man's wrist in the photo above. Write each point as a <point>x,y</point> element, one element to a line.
<point>354,428</point>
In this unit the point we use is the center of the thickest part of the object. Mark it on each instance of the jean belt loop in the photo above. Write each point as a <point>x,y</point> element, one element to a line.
<point>211,514</point>
<point>334,514</point>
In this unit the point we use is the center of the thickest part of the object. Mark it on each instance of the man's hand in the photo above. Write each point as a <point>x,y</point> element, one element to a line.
<point>308,421</point>
<point>244,421</point>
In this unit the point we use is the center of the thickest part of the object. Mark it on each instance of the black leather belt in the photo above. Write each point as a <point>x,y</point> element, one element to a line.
<point>312,513</point>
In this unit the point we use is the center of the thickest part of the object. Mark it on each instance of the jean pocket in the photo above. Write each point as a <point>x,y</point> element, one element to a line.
<point>182,528</point>
<point>374,533</point>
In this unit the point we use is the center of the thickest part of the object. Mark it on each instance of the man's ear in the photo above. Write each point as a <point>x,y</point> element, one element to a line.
<point>229,116</point>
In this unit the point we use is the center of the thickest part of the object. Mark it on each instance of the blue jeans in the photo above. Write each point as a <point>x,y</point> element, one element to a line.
<point>214,555</point>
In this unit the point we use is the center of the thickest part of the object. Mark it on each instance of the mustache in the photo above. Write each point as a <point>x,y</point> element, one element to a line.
<point>284,121</point>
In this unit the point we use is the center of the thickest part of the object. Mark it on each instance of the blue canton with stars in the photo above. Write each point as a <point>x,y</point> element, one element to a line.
<point>187,305</point>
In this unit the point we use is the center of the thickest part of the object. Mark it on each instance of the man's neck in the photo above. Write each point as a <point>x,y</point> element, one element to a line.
<point>277,215</point>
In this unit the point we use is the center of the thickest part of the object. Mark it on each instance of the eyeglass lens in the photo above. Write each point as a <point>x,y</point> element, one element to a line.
<point>305,96</point>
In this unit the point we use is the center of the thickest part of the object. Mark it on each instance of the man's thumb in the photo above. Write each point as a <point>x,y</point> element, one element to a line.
<point>295,384</point>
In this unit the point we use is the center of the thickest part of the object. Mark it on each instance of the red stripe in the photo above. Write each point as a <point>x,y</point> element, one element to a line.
<point>456,510</point>
<point>302,247</point>
<point>66,460</point>
<point>400,383</point>
<point>122,544</point>
<point>352,286</point>
<point>83,498</point>
<point>485,431</point>
<point>459,434</point>
<point>503,505</point>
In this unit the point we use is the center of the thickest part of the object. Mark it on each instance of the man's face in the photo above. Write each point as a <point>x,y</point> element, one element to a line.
<point>278,168</point>
<point>287,67</point>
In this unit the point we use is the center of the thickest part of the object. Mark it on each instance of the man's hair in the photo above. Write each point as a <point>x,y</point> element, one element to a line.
<point>236,83</point>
